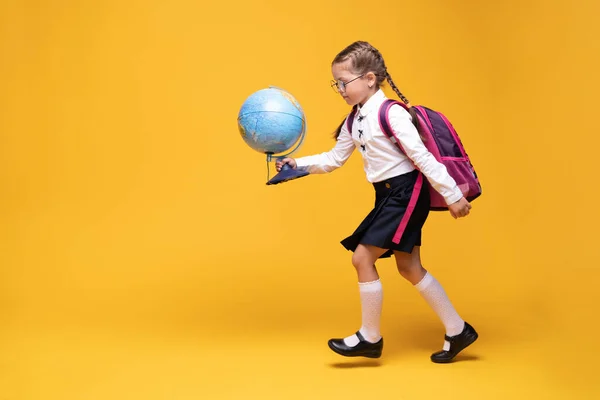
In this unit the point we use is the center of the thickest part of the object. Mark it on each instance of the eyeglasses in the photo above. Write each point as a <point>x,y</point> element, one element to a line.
<point>340,86</point>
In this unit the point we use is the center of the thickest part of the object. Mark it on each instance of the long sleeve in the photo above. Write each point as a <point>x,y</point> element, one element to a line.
<point>331,160</point>
<point>435,172</point>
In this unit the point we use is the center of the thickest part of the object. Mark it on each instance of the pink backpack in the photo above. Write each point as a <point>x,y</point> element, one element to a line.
<point>443,142</point>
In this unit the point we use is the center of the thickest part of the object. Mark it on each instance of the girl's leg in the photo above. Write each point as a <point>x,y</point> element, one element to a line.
<point>371,293</point>
<point>409,266</point>
<point>363,260</point>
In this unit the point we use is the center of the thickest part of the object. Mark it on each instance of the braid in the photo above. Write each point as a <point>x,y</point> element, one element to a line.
<point>411,110</point>
<point>381,70</point>
<point>395,88</point>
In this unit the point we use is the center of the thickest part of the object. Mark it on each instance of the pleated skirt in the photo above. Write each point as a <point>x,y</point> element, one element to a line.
<point>397,218</point>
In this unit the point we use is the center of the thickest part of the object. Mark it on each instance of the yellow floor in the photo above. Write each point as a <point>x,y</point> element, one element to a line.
<point>215,359</point>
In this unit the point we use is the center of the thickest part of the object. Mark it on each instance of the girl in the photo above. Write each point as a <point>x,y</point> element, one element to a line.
<point>358,71</point>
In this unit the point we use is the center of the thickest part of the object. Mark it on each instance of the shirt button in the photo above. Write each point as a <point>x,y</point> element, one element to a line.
<point>387,185</point>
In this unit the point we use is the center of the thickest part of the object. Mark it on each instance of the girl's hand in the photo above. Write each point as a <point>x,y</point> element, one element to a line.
<point>290,161</point>
<point>460,208</point>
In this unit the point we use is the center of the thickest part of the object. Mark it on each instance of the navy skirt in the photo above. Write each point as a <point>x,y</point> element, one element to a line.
<point>395,223</point>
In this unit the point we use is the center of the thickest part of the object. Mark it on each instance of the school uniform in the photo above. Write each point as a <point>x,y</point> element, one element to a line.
<point>391,224</point>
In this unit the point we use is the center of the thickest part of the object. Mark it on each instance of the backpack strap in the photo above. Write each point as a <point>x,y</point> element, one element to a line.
<point>386,127</point>
<point>384,121</point>
<point>350,120</point>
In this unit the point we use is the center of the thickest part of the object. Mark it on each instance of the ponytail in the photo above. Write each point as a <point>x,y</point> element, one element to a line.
<point>339,129</point>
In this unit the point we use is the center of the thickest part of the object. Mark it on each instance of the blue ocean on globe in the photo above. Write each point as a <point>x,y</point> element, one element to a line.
<point>271,121</point>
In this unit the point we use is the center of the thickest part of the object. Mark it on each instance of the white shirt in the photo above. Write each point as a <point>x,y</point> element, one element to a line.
<point>381,158</point>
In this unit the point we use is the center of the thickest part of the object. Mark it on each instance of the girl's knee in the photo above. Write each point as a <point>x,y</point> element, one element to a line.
<point>357,260</point>
<point>362,260</point>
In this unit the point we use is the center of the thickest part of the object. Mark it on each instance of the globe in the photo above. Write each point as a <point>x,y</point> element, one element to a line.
<point>271,121</point>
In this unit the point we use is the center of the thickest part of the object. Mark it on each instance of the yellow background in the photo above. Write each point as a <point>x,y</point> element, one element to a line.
<point>142,256</point>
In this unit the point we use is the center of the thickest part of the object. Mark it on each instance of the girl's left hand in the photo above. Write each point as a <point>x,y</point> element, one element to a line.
<point>460,209</point>
<point>279,163</point>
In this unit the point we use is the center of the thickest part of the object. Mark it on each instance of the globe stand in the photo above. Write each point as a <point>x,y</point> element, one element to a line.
<point>287,173</point>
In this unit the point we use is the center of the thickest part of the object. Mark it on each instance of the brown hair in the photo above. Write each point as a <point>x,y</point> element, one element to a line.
<point>366,58</point>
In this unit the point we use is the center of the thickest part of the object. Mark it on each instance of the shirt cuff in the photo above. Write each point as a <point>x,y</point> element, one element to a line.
<point>301,162</point>
<point>456,196</point>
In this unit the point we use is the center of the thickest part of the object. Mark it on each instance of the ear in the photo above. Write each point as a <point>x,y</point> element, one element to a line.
<point>371,79</point>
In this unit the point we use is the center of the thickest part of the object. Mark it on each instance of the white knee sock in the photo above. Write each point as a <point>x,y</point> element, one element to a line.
<point>371,299</point>
<point>436,297</point>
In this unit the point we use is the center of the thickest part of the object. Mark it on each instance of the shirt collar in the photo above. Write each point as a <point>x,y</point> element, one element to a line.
<point>373,103</point>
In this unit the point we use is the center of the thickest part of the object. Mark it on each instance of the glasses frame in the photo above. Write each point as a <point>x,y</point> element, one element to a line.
<point>339,86</point>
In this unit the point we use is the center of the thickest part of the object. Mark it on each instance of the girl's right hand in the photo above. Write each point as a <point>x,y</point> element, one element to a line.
<point>290,161</point>
<point>460,209</point>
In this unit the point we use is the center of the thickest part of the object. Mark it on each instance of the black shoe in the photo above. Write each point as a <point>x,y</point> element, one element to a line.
<point>362,349</point>
<point>457,344</point>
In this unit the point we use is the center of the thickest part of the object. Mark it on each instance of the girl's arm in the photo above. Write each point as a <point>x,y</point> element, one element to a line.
<point>331,160</point>
<point>436,172</point>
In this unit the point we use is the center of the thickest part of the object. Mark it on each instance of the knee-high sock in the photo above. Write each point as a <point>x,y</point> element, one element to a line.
<point>371,299</point>
<point>436,297</point>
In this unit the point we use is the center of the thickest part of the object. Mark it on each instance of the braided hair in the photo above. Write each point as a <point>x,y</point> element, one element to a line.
<point>366,58</point>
